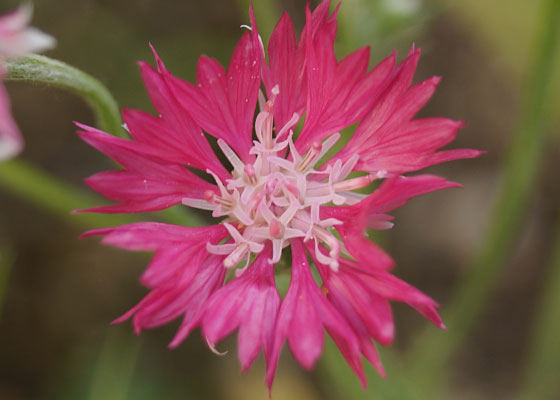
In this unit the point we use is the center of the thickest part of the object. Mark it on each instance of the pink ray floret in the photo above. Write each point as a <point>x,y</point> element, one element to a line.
<point>280,187</point>
<point>16,39</point>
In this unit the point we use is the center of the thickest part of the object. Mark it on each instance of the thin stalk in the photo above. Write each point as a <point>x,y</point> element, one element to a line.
<point>43,70</point>
<point>541,381</point>
<point>433,351</point>
<point>115,367</point>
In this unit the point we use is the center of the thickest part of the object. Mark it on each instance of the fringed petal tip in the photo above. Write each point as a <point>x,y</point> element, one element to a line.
<point>159,62</point>
<point>95,232</point>
<point>174,344</point>
<point>414,49</point>
<point>85,128</point>
<point>475,153</point>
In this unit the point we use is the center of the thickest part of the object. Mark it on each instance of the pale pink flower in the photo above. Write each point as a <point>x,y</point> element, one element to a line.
<point>280,189</point>
<point>16,39</point>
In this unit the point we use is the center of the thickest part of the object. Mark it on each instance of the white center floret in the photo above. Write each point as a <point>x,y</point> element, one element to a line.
<point>277,198</point>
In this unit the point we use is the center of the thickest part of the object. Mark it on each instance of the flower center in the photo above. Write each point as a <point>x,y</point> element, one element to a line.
<point>277,198</point>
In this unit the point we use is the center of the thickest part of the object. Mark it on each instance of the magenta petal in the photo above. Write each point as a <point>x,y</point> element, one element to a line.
<point>249,302</point>
<point>369,212</point>
<point>389,141</point>
<point>339,94</point>
<point>175,247</point>
<point>396,192</point>
<point>366,311</point>
<point>209,279</point>
<point>302,316</point>
<point>223,103</point>
<point>174,134</point>
<point>146,184</point>
<point>287,70</point>
<point>184,298</point>
<point>147,236</point>
<point>182,275</point>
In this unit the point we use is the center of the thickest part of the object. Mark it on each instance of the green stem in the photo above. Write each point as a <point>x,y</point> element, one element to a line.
<point>115,367</point>
<point>53,195</point>
<point>43,70</point>
<point>544,353</point>
<point>433,351</point>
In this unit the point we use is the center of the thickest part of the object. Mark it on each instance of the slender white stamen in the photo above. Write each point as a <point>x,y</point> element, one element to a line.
<point>294,120</point>
<point>198,203</point>
<point>329,142</point>
<point>236,255</point>
<point>231,156</point>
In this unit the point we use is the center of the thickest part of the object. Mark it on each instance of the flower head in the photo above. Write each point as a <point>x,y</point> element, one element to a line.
<point>281,191</point>
<point>16,39</point>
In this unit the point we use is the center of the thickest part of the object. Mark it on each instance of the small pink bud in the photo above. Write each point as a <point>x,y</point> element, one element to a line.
<point>316,146</point>
<point>275,229</point>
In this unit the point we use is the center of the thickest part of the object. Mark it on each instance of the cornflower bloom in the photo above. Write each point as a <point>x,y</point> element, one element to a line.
<point>16,39</point>
<point>279,189</point>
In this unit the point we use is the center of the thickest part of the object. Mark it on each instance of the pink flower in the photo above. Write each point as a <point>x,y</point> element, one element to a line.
<point>16,39</point>
<point>280,189</point>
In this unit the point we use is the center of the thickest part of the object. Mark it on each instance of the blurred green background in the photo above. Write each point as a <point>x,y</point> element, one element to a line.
<point>485,252</point>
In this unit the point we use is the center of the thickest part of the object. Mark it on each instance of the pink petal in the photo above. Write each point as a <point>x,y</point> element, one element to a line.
<point>182,275</point>
<point>185,298</point>
<point>147,236</point>
<point>223,103</point>
<point>397,191</point>
<point>364,309</point>
<point>339,94</point>
<point>206,282</point>
<point>356,218</point>
<point>302,316</point>
<point>249,302</point>
<point>173,136</point>
<point>388,140</point>
<point>175,246</point>
<point>287,70</point>
<point>146,184</point>
<point>17,38</point>
<point>11,142</point>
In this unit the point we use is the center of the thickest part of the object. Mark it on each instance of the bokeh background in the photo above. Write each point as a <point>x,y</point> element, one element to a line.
<point>485,252</point>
